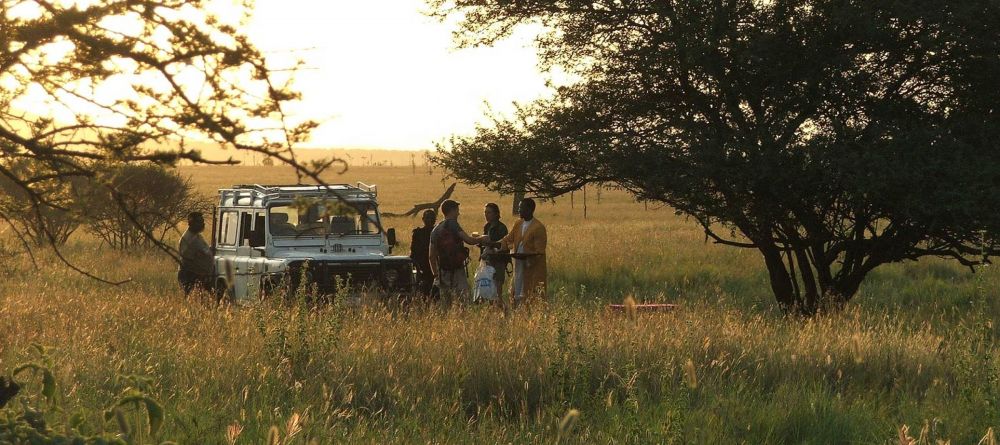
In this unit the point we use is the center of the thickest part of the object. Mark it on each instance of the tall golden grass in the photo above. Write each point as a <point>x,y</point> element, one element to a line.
<point>917,348</point>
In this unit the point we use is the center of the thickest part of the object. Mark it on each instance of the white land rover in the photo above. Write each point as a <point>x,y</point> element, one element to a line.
<point>263,236</point>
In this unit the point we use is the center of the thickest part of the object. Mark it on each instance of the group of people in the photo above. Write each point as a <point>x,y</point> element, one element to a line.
<point>438,251</point>
<point>441,257</point>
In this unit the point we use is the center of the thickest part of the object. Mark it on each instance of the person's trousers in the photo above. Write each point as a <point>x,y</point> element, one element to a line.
<point>454,284</point>
<point>189,281</point>
<point>425,283</point>
<point>499,277</point>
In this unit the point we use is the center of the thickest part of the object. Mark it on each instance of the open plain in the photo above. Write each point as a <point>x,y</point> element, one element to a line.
<point>913,358</point>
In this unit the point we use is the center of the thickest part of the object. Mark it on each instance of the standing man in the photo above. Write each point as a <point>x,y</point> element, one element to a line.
<point>527,237</point>
<point>197,260</point>
<point>495,230</point>
<point>448,255</point>
<point>419,253</point>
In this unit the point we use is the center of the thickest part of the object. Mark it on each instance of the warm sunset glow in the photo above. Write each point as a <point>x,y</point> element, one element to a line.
<point>380,74</point>
<point>374,73</point>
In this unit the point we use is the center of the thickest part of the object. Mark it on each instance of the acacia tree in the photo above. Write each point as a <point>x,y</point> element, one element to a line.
<point>832,136</point>
<point>39,227</point>
<point>150,200</point>
<point>88,86</point>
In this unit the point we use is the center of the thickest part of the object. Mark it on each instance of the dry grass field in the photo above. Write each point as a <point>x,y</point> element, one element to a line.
<point>918,347</point>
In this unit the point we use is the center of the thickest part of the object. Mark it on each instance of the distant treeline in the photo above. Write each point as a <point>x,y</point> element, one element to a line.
<point>355,157</point>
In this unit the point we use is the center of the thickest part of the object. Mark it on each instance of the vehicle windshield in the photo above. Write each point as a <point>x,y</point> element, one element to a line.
<point>323,218</point>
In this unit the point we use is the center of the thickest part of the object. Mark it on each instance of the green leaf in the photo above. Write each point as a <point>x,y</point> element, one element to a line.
<point>155,412</point>
<point>77,420</point>
<point>25,367</point>
<point>48,385</point>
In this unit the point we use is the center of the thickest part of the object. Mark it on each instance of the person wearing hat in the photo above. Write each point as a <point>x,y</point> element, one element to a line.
<point>197,260</point>
<point>448,255</point>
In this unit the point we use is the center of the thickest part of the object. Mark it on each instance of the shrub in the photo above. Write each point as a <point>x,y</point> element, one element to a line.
<point>40,223</point>
<point>136,205</point>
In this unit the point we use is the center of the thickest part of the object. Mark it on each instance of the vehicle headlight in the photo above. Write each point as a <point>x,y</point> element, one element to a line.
<point>391,275</point>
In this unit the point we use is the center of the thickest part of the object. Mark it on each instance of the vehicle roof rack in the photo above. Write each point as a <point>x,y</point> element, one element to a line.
<point>240,192</point>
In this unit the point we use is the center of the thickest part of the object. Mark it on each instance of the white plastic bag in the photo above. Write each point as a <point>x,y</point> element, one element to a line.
<point>485,288</point>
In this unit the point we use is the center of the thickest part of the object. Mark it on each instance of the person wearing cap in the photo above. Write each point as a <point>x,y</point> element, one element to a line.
<point>197,260</point>
<point>445,252</point>
<point>419,253</point>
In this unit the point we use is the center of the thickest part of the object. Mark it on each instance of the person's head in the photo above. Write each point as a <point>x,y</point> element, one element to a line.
<point>196,222</point>
<point>492,212</point>
<point>450,209</point>
<point>526,209</point>
<point>429,216</point>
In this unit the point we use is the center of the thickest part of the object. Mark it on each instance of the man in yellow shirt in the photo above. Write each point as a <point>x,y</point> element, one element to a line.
<point>527,239</point>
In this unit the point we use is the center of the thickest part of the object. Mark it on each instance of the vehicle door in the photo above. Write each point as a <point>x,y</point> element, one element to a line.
<point>227,239</point>
<point>242,269</point>
<point>252,259</point>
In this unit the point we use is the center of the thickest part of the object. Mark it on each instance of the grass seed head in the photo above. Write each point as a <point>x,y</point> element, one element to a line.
<point>568,422</point>
<point>690,374</point>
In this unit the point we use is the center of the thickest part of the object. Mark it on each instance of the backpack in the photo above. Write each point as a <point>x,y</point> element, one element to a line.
<point>452,253</point>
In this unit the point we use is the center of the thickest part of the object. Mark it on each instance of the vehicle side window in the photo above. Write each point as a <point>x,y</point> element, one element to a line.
<point>246,222</point>
<point>258,221</point>
<point>228,228</point>
<point>257,236</point>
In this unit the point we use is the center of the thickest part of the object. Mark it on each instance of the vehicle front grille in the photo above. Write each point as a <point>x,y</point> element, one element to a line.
<point>326,275</point>
<point>323,276</point>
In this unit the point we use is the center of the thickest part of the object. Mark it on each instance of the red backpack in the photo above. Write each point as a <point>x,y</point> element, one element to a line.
<point>452,253</point>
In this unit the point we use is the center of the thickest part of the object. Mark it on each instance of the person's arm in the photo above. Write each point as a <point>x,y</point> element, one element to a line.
<point>203,247</point>
<point>543,239</point>
<point>470,240</point>
<point>432,257</point>
<point>503,232</point>
<point>454,226</point>
<point>504,244</point>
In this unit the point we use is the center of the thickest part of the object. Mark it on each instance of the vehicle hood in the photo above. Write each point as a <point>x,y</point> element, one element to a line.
<point>317,255</point>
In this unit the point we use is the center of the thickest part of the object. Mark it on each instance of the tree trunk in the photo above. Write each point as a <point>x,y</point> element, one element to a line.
<point>518,196</point>
<point>812,293</point>
<point>803,286</point>
<point>781,281</point>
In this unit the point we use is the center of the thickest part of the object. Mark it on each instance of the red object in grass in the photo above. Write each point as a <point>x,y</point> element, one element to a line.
<point>645,307</point>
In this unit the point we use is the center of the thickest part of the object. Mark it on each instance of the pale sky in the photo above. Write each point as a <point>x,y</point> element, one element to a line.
<point>382,75</point>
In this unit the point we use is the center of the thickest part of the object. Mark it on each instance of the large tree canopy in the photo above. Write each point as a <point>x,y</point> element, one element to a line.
<point>831,135</point>
<point>88,86</point>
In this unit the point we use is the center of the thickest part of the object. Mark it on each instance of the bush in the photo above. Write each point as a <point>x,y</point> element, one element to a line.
<point>40,223</point>
<point>41,418</point>
<point>148,202</point>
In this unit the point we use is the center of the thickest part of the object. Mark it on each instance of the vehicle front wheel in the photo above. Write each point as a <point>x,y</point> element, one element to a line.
<point>223,292</point>
<point>276,286</point>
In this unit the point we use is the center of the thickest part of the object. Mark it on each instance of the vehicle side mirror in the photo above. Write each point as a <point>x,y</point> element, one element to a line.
<point>390,235</point>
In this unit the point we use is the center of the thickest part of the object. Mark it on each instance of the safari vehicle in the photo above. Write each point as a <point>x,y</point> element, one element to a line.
<point>267,237</point>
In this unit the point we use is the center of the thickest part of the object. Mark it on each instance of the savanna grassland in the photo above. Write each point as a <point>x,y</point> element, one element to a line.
<point>918,347</point>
